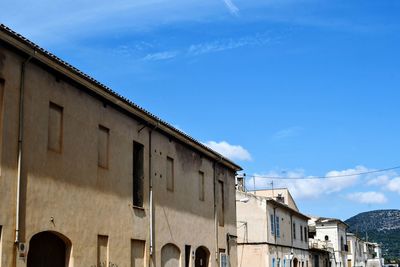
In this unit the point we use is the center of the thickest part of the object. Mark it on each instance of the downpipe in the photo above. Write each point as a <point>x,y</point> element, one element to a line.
<point>20,150</point>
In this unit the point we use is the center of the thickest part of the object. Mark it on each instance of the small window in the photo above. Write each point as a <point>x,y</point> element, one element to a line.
<point>102,250</point>
<point>103,146</point>
<point>305,233</point>
<point>271,218</point>
<point>294,230</point>
<point>301,233</point>
<point>201,186</point>
<point>221,203</point>
<point>187,255</point>
<point>223,260</point>
<point>278,230</point>
<point>341,243</point>
<point>138,174</point>
<point>326,238</point>
<point>170,174</point>
<point>137,253</point>
<point>55,128</point>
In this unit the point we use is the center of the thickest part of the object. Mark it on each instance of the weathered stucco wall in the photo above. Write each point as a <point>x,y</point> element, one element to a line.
<point>68,193</point>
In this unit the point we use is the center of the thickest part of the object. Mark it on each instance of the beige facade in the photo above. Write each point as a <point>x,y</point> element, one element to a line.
<point>270,233</point>
<point>101,181</point>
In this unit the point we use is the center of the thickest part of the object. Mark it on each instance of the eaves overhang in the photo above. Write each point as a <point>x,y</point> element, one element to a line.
<point>36,52</point>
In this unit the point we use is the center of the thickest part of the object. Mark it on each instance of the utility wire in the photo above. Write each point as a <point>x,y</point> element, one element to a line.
<point>320,177</point>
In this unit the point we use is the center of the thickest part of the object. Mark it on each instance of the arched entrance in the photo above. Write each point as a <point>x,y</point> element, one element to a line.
<point>170,256</point>
<point>295,262</point>
<point>47,249</point>
<point>202,257</point>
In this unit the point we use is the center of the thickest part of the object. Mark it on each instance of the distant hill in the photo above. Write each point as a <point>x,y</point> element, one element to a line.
<point>381,226</point>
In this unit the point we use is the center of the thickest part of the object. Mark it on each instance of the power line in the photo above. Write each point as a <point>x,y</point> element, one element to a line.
<point>321,177</point>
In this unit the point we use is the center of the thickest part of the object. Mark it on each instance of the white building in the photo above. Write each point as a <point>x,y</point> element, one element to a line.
<point>270,232</point>
<point>356,256</point>
<point>330,234</point>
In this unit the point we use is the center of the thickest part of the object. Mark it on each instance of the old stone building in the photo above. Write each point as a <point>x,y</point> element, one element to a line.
<point>88,178</point>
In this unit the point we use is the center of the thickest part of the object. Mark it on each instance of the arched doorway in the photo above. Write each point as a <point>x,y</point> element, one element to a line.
<point>202,257</point>
<point>47,249</point>
<point>295,262</point>
<point>170,256</point>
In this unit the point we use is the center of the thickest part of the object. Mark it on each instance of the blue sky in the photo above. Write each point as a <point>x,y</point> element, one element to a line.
<point>284,88</point>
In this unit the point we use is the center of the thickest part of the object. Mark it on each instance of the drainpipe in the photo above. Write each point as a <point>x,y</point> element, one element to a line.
<point>215,212</point>
<point>151,193</point>
<point>20,137</point>
<point>215,209</point>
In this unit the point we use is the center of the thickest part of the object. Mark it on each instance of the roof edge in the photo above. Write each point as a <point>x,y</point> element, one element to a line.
<point>26,46</point>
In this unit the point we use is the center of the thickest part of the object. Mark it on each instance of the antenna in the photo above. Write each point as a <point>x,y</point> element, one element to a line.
<point>272,186</point>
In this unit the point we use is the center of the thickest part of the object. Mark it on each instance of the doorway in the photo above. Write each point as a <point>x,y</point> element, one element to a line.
<point>202,257</point>
<point>295,262</point>
<point>46,249</point>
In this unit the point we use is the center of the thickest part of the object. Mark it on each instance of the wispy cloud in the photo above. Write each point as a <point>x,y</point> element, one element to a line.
<point>370,197</point>
<point>161,56</point>
<point>258,39</point>
<point>233,9</point>
<point>234,152</point>
<point>286,133</point>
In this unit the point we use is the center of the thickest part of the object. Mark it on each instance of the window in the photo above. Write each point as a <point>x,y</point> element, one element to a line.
<point>102,250</point>
<point>294,230</point>
<point>284,262</point>
<point>137,253</point>
<point>278,230</point>
<point>170,174</point>
<point>138,175</point>
<point>55,128</point>
<point>223,260</point>
<point>221,203</point>
<point>341,243</point>
<point>305,233</point>
<point>201,186</point>
<point>272,224</point>
<point>326,238</point>
<point>273,262</point>
<point>103,146</point>
<point>187,255</point>
<point>301,233</point>
<point>278,263</point>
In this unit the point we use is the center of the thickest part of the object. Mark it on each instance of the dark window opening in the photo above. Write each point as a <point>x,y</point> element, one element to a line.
<point>187,255</point>
<point>170,174</point>
<point>221,203</point>
<point>138,174</point>
<point>294,230</point>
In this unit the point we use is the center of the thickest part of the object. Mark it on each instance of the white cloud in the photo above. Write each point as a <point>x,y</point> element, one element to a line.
<point>234,152</point>
<point>371,197</point>
<point>308,188</point>
<point>233,9</point>
<point>160,56</point>
<point>394,185</point>
<point>378,180</point>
